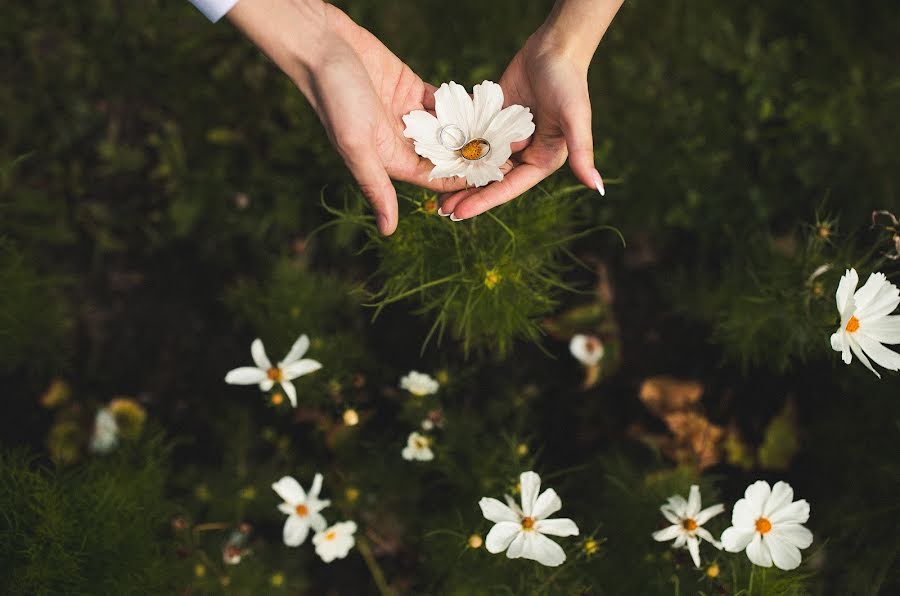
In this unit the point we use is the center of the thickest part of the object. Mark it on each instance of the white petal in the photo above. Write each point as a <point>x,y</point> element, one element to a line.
<point>300,368</point>
<point>449,169</point>
<point>289,490</point>
<point>495,511</point>
<point>782,495</point>
<point>756,495</point>
<point>694,548</point>
<point>290,391</point>
<point>546,504</point>
<point>758,552</point>
<point>266,384</point>
<point>285,508</point>
<point>837,341</point>
<point>586,349</point>
<point>670,533</point>
<point>501,535</point>
<point>736,539</point>
<point>513,123</point>
<point>883,356</point>
<point>539,548</point>
<point>317,521</point>
<point>295,530</point>
<point>877,297</point>
<point>795,513</point>
<point>693,506</point>
<point>557,527</point>
<point>846,288</point>
<point>245,375</point>
<point>854,345</point>
<point>798,535</point>
<point>297,350</point>
<point>514,506</point>
<point>743,515</point>
<point>452,105</point>
<point>678,505</point>
<point>670,515</point>
<point>481,173</point>
<point>259,355</point>
<point>316,487</point>
<point>707,514</point>
<point>704,534</point>
<point>680,541</point>
<point>514,551</point>
<point>421,126</point>
<point>530,484</point>
<point>488,101</point>
<point>785,555</point>
<point>885,330</point>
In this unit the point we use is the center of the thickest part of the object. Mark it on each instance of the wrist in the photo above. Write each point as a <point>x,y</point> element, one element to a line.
<point>574,28</point>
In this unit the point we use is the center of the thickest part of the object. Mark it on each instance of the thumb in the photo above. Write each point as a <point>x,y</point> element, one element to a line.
<point>376,185</point>
<point>576,127</point>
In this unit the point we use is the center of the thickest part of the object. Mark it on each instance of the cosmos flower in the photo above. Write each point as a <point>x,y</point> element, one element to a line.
<point>335,542</point>
<point>767,523</point>
<point>106,432</point>
<point>587,349</point>
<point>522,532</point>
<point>418,447</point>
<point>419,384</point>
<point>687,518</point>
<point>266,375</point>
<point>865,324</point>
<point>469,137</point>
<point>302,508</point>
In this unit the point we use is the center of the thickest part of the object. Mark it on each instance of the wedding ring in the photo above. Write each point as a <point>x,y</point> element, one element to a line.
<point>452,137</point>
<point>475,149</point>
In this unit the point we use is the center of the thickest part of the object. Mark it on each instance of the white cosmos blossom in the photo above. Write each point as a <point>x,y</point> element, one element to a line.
<point>587,349</point>
<point>301,507</point>
<point>106,432</point>
<point>470,137</point>
<point>687,518</point>
<point>266,375</point>
<point>335,542</point>
<point>418,447</point>
<point>865,324</point>
<point>522,532</point>
<point>767,523</point>
<point>419,384</point>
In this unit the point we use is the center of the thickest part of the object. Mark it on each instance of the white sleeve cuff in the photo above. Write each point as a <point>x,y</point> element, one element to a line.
<point>214,9</point>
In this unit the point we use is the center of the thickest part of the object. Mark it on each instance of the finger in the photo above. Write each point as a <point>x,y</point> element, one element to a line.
<point>375,184</point>
<point>428,97</point>
<point>576,127</point>
<point>449,202</point>
<point>520,179</point>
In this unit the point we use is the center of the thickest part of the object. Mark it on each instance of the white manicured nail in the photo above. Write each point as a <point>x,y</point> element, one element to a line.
<point>598,182</point>
<point>442,214</point>
<point>454,218</point>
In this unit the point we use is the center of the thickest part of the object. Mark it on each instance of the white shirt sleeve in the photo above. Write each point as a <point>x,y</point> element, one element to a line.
<point>214,9</point>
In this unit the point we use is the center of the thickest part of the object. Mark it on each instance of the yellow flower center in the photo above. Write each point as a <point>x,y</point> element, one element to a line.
<point>330,535</point>
<point>475,149</point>
<point>491,278</point>
<point>528,523</point>
<point>277,398</point>
<point>763,525</point>
<point>430,205</point>
<point>852,324</point>
<point>591,546</point>
<point>689,524</point>
<point>274,374</point>
<point>301,510</point>
<point>420,442</point>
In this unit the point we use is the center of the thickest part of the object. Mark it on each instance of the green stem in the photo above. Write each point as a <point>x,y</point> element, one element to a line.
<point>377,574</point>
<point>750,587</point>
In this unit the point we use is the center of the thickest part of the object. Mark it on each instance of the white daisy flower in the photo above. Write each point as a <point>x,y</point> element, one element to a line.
<point>521,532</point>
<point>419,384</point>
<point>767,523</point>
<point>266,375</point>
<point>302,508</point>
<point>865,324</point>
<point>587,349</point>
<point>106,432</point>
<point>336,541</point>
<point>418,447</point>
<point>687,518</point>
<point>469,138</point>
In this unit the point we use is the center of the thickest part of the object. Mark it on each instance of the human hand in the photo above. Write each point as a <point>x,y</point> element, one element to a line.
<point>553,83</point>
<point>358,88</point>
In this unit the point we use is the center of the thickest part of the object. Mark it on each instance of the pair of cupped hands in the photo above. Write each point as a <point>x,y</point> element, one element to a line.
<point>361,91</point>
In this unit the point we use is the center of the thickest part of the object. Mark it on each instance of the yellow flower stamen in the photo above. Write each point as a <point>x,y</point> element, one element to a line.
<point>763,525</point>
<point>330,535</point>
<point>852,324</point>
<point>475,149</point>
<point>528,523</point>
<point>491,278</point>
<point>301,510</point>
<point>689,524</point>
<point>274,374</point>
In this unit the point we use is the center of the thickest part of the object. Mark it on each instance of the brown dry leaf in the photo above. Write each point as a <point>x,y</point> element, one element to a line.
<point>664,394</point>
<point>696,439</point>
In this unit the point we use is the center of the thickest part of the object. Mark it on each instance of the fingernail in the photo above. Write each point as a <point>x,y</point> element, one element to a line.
<point>382,224</point>
<point>454,218</point>
<point>598,182</point>
<point>442,214</point>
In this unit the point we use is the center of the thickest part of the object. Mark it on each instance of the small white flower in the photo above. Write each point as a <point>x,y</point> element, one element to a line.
<point>469,138</point>
<point>418,447</point>
<point>419,384</point>
<point>588,349</point>
<point>336,541</point>
<point>521,531</point>
<point>687,518</point>
<point>865,324</point>
<point>302,508</point>
<point>266,375</point>
<point>106,432</point>
<point>767,523</point>
<point>427,424</point>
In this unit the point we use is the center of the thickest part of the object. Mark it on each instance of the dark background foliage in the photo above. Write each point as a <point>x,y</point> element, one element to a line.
<point>159,184</point>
